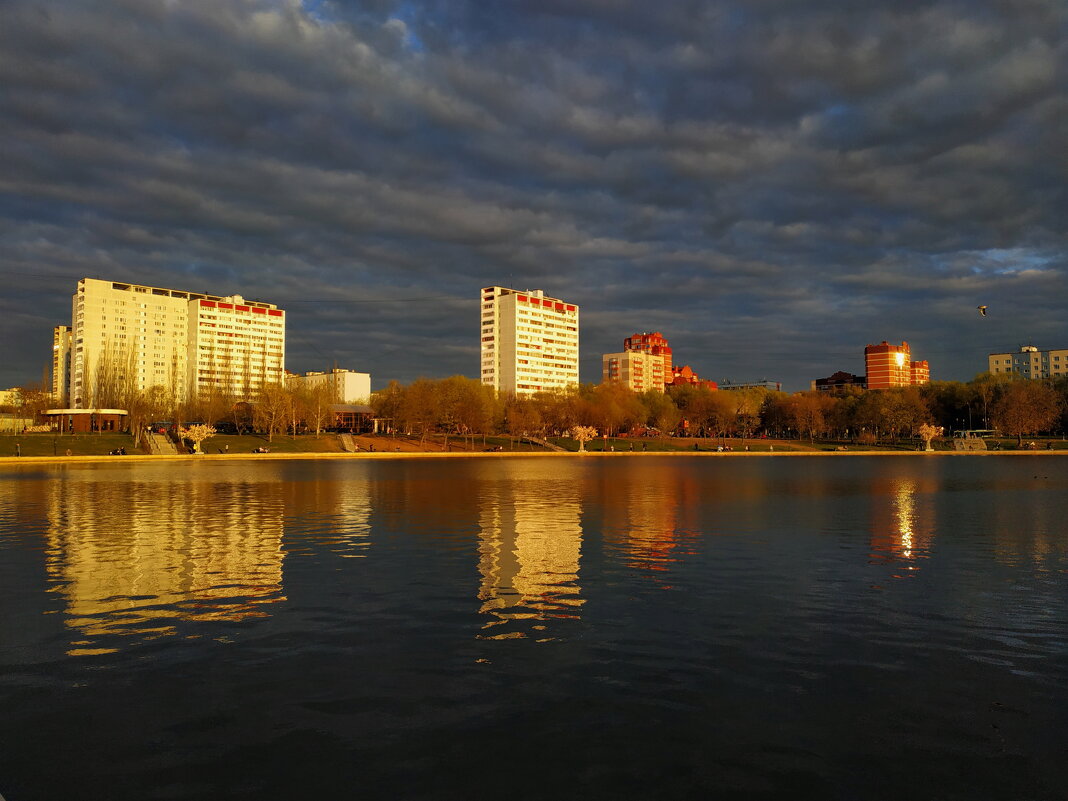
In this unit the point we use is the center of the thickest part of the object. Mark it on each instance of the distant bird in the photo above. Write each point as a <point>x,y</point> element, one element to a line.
<point>982,311</point>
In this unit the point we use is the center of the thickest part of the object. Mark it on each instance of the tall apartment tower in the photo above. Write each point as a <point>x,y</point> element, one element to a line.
<point>643,365</point>
<point>888,366</point>
<point>235,346</point>
<point>530,342</point>
<point>132,336</point>
<point>61,339</point>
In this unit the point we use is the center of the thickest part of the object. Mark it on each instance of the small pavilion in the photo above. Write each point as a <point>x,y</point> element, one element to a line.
<point>85,421</point>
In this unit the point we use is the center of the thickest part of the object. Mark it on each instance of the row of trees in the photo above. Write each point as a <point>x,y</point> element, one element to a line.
<point>463,407</point>
<point>272,408</point>
<point>459,406</point>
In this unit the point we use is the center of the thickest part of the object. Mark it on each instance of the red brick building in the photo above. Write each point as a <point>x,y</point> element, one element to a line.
<point>686,375</point>
<point>889,366</point>
<point>643,365</point>
<point>654,344</point>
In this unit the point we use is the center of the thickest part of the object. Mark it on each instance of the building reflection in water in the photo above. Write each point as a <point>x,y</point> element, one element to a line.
<point>651,513</point>
<point>133,558</point>
<point>902,523</point>
<point>530,544</point>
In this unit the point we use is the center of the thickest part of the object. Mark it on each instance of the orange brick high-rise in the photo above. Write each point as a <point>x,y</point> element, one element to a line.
<point>643,365</point>
<point>889,366</point>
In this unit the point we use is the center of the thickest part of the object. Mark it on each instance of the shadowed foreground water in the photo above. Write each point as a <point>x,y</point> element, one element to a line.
<point>627,628</point>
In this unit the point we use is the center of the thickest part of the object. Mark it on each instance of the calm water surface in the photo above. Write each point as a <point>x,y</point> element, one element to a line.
<point>620,628</point>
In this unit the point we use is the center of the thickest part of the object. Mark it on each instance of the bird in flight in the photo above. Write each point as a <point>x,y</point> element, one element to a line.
<point>982,311</point>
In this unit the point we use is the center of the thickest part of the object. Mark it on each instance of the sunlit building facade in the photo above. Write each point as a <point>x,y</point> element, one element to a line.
<point>529,342</point>
<point>61,339</point>
<point>136,337</point>
<point>346,386</point>
<point>639,371</point>
<point>235,346</point>
<point>1030,362</point>
<point>888,366</point>
<point>685,375</point>
<point>643,365</point>
<point>654,343</point>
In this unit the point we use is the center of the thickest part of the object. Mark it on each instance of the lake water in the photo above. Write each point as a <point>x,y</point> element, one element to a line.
<point>536,628</point>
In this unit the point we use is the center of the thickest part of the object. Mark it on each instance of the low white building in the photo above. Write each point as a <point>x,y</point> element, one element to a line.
<point>1030,362</point>
<point>348,386</point>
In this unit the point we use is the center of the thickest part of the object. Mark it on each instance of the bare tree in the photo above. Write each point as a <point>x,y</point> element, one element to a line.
<point>271,409</point>
<point>317,402</point>
<point>418,407</point>
<point>522,418</point>
<point>1026,407</point>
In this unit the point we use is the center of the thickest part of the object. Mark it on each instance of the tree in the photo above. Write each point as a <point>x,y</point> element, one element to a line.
<point>296,407</point>
<point>196,434</point>
<point>582,434</point>
<point>805,413</point>
<point>987,388</point>
<point>318,399</point>
<point>386,403</point>
<point>775,412</point>
<point>903,411</point>
<point>32,400</point>
<point>418,409</point>
<point>476,408</point>
<point>614,407</point>
<point>560,409</point>
<point>521,417</point>
<point>271,409</point>
<point>1026,407</point>
<point>660,411</point>
<point>927,433</point>
<point>869,415</point>
<point>747,405</point>
<point>215,405</point>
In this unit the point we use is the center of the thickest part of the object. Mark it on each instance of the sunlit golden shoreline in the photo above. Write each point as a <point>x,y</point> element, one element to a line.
<point>245,457</point>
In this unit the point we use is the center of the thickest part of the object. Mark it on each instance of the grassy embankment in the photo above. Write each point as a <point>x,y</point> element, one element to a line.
<point>102,444</point>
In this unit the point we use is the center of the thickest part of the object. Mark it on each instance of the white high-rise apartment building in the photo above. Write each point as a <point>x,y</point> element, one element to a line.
<point>530,342</point>
<point>61,339</point>
<point>235,346</point>
<point>189,343</point>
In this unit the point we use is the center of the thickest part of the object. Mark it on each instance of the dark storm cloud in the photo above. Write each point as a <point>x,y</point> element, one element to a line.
<point>771,184</point>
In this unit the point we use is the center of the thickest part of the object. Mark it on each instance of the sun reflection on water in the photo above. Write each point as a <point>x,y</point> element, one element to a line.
<point>901,528</point>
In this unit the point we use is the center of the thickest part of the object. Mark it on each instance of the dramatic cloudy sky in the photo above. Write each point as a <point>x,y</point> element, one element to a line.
<point>772,184</point>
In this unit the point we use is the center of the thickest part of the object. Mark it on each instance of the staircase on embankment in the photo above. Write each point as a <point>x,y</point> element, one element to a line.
<point>544,443</point>
<point>160,445</point>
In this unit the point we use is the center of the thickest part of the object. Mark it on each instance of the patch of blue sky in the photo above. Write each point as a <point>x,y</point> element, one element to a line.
<point>1009,261</point>
<point>408,14</point>
<point>320,10</point>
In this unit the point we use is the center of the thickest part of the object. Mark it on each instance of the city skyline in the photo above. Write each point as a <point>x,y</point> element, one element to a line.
<point>771,187</point>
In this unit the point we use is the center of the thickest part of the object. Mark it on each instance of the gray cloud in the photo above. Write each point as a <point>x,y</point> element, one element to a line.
<point>772,184</point>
